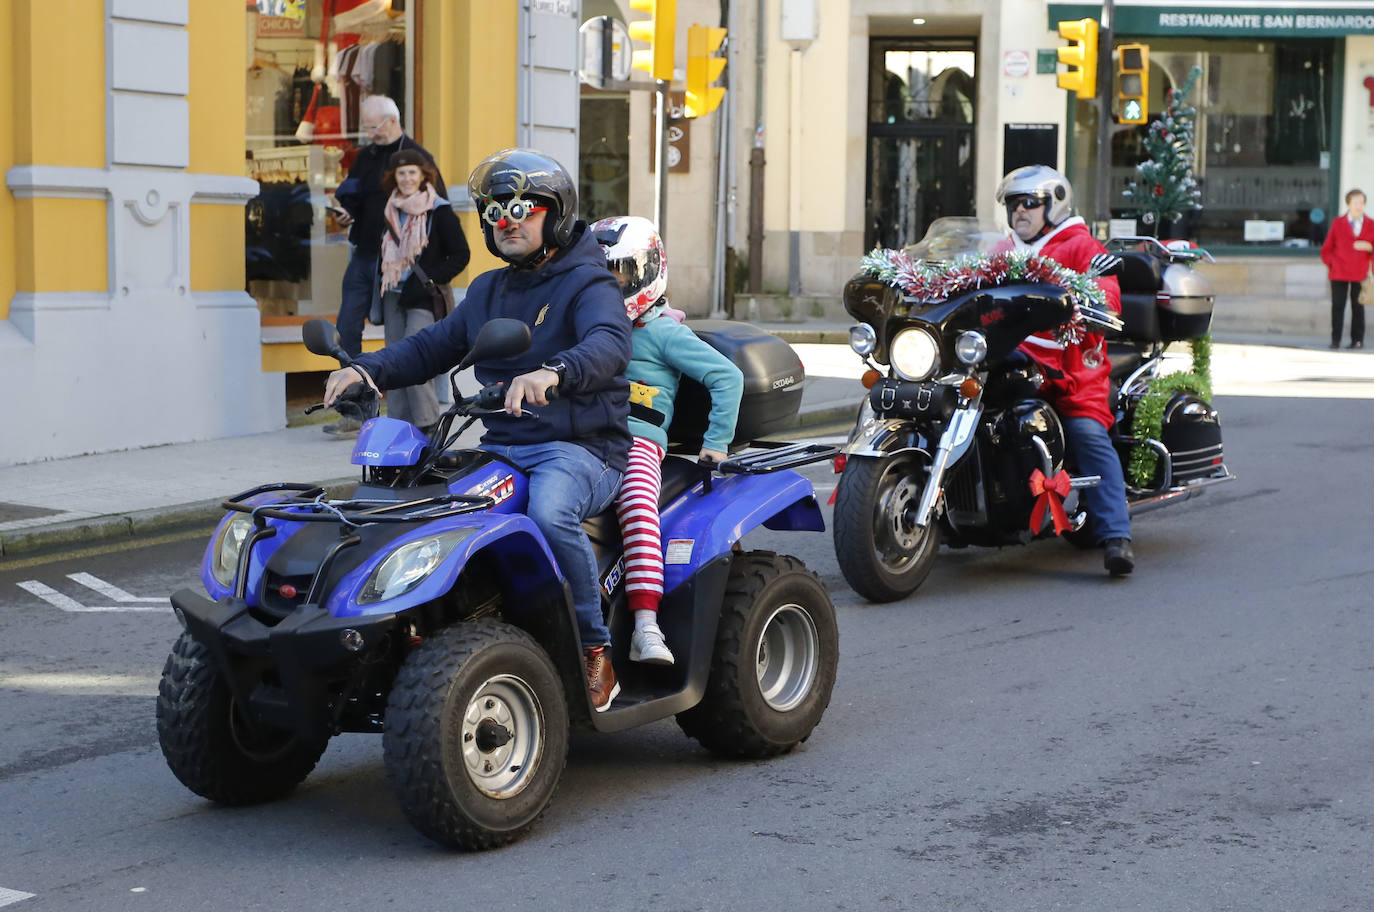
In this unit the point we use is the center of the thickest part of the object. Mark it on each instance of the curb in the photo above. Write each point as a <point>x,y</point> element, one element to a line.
<point>139,523</point>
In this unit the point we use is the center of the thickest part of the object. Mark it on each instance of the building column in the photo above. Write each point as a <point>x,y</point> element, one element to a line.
<point>127,321</point>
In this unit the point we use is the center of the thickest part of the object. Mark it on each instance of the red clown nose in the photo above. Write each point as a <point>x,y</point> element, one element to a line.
<point>501,223</point>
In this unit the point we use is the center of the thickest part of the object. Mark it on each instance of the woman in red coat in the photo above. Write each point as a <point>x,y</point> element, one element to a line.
<point>1346,253</point>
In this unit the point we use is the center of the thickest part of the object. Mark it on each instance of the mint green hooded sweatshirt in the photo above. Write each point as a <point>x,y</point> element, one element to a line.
<point>664,350</point>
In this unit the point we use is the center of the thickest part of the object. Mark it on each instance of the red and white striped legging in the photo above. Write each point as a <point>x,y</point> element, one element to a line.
<point>636,506</point>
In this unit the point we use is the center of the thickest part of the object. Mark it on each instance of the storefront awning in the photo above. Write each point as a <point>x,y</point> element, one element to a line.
<point>1228,18</point>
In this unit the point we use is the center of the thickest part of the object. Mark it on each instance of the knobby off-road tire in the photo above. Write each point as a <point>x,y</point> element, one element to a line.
<point>773,667</point>
<point>476,735</point>
<point>210,747</point>
<point>883,556</point>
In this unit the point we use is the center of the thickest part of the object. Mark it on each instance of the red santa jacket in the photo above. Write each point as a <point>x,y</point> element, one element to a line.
<point>1083,389</point>
<point>1343,262</point>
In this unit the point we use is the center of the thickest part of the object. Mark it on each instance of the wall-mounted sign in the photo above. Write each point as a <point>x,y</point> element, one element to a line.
<point>1260,19</point>
<point>1016,63</point>
<point>679,134</point>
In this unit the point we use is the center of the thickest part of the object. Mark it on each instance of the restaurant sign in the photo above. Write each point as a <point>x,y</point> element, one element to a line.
<point>1256,20</point>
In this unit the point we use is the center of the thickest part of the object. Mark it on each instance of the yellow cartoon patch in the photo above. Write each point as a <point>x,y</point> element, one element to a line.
<point>542,313</point>
<point>641,394</point>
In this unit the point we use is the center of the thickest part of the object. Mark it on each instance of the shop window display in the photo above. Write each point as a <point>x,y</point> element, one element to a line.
<point>311,62</point>
<point>1265,140</point>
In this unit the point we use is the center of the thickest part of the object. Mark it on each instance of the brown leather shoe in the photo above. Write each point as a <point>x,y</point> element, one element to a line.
<point>601,678</point>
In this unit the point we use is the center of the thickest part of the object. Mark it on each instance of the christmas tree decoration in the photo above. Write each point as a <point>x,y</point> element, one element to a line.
<point>1166,187</point>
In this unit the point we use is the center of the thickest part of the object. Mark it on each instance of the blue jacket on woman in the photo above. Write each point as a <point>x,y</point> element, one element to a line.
<point>575,312</point>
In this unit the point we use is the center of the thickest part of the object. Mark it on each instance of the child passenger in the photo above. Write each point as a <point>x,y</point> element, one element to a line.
<point>664,350</point>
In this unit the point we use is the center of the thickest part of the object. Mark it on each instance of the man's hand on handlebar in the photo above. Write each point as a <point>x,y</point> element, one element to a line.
<point>342,379</point>
<point>531,389</point>
<point>711,456</point>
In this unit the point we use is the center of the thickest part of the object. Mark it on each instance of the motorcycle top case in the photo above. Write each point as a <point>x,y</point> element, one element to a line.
<point>773,380</point>
<point>1162,301</point>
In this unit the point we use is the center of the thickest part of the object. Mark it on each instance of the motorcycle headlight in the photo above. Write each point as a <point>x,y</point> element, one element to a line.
<point>915,354</point>
<point>409,565</point>
<point>228,544</point>
<point>863,339</point>
<point>971,347</point>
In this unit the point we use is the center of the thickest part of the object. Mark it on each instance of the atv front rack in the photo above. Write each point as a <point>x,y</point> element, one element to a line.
<point>310,506</point>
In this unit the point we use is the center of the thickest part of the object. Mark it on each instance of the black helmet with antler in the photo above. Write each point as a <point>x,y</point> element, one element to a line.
<point>510,183</point>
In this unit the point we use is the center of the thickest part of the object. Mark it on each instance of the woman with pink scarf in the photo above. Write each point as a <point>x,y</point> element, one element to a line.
<point>423,248</point>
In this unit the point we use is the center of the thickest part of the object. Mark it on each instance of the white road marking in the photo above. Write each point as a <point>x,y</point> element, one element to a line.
<point>109,590</point>
<point>58,600</point>
<point>13,896</point>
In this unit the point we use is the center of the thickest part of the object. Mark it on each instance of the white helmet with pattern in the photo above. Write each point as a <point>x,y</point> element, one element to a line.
<point>634,253</point>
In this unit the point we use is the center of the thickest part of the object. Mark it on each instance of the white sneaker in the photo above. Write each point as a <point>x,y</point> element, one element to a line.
<point>647,646</point>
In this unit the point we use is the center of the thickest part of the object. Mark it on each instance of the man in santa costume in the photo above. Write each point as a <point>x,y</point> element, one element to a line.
<point>1039,203</point>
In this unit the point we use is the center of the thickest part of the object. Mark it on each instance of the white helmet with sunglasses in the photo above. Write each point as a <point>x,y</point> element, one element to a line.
<point>1034,186</point>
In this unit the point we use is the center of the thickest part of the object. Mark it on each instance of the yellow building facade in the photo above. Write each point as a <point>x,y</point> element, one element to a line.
<point>125,316</point>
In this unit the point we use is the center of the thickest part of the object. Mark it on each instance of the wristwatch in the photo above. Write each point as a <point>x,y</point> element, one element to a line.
<point>558,366</point>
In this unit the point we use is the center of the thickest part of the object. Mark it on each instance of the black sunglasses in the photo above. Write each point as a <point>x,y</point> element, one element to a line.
<point>1024,202</point>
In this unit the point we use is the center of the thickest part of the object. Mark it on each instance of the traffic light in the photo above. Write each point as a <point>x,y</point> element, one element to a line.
<point>657,31</point>
<point>1133,89</point>
<point>703,69</point>
<point>1082,55</point>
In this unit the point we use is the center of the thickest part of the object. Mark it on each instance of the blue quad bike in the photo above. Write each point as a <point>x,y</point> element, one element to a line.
<point>428,608</point>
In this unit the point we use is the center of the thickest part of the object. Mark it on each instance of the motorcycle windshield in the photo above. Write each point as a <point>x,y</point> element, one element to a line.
<point>954,236</point>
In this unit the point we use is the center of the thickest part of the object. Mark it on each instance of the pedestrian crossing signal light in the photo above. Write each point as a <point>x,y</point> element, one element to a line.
<point>1133,83</point>
<point>703,69</point>
<point>1082,53</point>
<point>657,32</point>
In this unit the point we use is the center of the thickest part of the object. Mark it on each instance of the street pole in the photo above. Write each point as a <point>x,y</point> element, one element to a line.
<point>1104,116</point>
<point>661,158</point>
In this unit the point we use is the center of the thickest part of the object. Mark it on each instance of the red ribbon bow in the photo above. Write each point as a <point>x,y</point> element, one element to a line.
<point>1050,492</point>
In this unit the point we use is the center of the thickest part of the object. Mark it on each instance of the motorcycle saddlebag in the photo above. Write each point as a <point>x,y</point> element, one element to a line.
<point>773,380</point>
<point>1192,433</point>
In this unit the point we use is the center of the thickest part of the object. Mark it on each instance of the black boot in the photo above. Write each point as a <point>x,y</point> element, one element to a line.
<point>1120,559</point>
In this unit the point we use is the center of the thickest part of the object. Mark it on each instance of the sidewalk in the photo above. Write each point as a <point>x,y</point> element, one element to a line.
<point>107,496</point>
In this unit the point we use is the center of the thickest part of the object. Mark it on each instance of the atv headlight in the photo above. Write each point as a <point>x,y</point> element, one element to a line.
<point>225,556</point>
<point>409,565</point>
<point>915,354</point>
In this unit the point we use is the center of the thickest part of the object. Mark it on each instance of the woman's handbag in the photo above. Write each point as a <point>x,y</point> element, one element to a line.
<point>1367,288</point>
<point>440,296</point>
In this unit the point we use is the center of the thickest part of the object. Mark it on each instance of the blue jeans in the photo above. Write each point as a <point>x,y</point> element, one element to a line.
<point>567,485</point>
<point>355,299</point>
<point>1092,452</point>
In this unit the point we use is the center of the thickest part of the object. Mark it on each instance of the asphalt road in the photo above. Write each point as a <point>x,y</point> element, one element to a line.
<point>1023,734</point>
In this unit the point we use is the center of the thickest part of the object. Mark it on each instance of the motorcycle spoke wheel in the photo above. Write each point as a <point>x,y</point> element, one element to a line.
<point>882,553</point>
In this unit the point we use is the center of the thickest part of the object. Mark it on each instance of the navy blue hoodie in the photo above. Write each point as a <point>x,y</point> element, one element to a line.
<point>575,312</point>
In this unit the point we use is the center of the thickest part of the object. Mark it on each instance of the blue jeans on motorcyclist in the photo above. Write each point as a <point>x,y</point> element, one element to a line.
<point>355,299</point>
<point>568,485</point>
<point>1090,448</point>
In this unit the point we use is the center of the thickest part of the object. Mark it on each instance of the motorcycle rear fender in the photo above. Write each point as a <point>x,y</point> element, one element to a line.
<point>698,527</point>
<point>519,550</point>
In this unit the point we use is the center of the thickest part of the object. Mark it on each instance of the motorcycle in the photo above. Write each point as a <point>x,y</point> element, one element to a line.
<point>953,443</point>
<point>427,607</point>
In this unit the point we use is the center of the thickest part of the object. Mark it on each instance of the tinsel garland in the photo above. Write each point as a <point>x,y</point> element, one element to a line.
<point>969,272</point>
<point>1148,422</point>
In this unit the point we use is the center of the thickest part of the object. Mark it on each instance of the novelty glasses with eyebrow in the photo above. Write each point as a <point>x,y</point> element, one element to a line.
<point>516,210</point>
